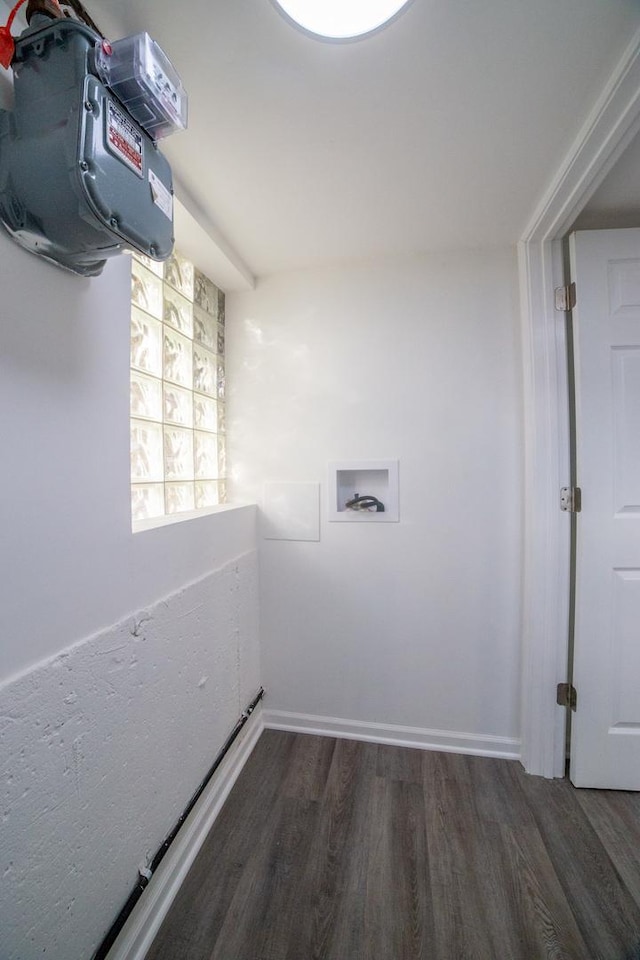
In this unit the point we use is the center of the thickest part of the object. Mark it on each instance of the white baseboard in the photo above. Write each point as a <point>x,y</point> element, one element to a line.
<point>144,922</point>
<point>448,741</point>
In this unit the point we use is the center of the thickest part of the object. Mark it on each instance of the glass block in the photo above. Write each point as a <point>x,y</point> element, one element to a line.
<point>221,380</point>
<point>177,385</point>
<point>177,358</point>
<point>206,493</point>
<point>146,343</point>
<point>146,290</point>
<point>178,312</point>
<point>204,328</point>
<point>205,294</point>
<point>178,405</point>
<point>204,371</point>
<point>155,266</point>
<point>179,497</point>
<point>178,273</point>
<point>206,456</point>
<point>178,453</point>
<point>222,457</point>
<point>147,500</point>
<point>146,451</point>
<point>205,413</point>
<point>146,397</point>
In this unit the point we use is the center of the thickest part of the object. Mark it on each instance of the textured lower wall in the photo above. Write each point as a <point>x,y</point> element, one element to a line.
<point>102,747</point>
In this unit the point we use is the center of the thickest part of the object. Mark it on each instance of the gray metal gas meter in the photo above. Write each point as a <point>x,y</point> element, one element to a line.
<point>81,176</point>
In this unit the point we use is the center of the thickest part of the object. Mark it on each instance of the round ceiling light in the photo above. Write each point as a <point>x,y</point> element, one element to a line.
<point>341,19</point>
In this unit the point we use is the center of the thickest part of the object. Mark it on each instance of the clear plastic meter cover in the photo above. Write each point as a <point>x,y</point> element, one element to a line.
<point>145,81</point>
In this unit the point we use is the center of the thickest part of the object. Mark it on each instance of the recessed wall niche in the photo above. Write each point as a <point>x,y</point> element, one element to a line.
<point>349,479</point>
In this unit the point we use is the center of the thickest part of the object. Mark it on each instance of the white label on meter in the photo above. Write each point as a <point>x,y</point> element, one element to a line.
<point>123,138</point>
<point>161,196</point>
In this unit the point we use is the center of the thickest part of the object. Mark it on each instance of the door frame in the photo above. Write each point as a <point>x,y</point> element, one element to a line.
<point>607,131</point>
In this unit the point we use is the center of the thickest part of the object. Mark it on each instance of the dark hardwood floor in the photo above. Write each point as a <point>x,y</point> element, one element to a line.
<point>336,850</point>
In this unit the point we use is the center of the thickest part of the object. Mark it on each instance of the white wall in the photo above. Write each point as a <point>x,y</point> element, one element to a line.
<point>105,731</point>
<point>413,624</point>
<point>70,564</point>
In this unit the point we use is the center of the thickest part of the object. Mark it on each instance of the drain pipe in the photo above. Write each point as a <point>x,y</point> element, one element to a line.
<point>146,873</point>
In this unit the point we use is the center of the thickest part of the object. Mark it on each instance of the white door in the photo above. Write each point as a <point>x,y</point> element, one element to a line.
<point>605,746</point>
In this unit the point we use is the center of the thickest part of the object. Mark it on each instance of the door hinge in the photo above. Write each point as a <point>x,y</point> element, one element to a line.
<point>567,696</point>
<point>571,499</point>
<point>565,297</point>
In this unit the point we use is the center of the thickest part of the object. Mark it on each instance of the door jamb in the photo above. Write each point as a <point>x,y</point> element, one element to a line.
<point>609,128</point>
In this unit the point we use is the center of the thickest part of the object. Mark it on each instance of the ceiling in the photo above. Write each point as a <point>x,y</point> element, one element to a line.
<point>438,132</point>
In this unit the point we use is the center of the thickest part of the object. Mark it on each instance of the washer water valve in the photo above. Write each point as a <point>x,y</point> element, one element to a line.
<point>365,502</point>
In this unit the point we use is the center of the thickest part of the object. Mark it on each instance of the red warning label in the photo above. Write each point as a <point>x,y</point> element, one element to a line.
<point>123,138</point>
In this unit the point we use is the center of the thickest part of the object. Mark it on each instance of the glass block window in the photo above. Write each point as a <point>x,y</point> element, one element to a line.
<point>178,458</point>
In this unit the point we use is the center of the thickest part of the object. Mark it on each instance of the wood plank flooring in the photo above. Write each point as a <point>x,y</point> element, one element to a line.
<point>337,850</point>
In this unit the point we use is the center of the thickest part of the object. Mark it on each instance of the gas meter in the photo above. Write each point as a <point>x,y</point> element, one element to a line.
<point>81,175</point>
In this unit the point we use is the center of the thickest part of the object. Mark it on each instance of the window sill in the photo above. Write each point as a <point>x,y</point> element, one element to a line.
<point>139,526</point>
